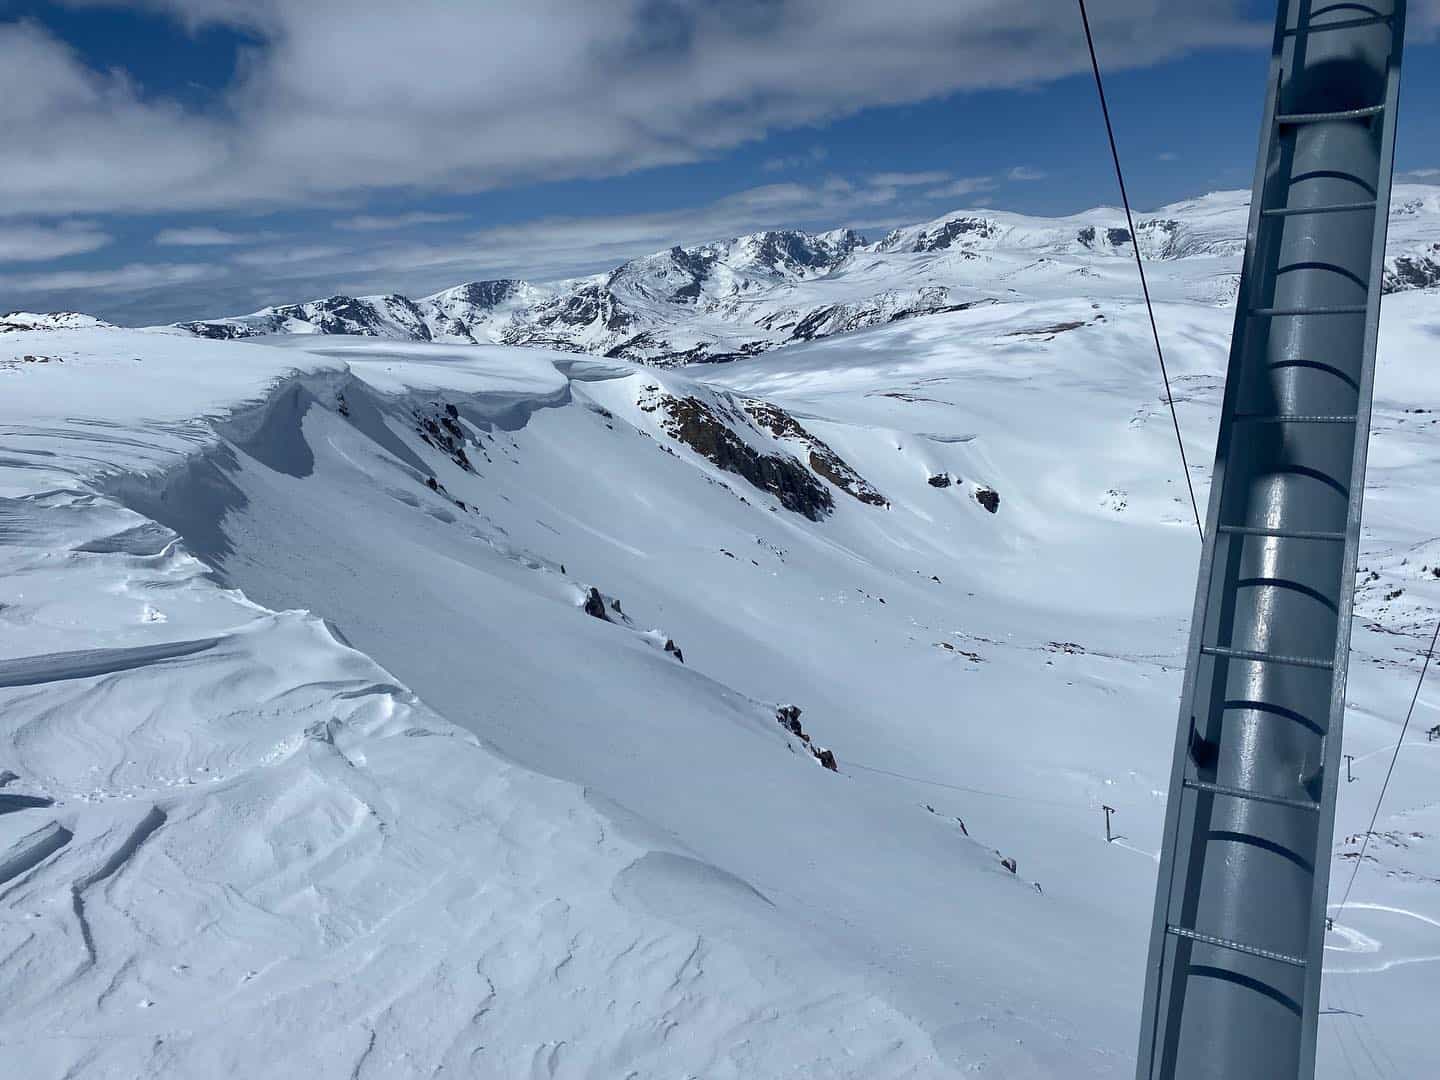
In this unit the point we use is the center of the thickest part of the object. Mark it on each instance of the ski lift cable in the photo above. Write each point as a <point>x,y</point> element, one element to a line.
<point>1365,842</point>
<point>1140,266</point>
<point>970,790</point>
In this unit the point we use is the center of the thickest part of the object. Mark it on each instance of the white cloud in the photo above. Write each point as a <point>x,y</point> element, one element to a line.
<point>373,223</point>
<point>36,243</point>
<point>344,96</point>
<point>958,189</point>
<point>1168,155</point>
<point>201,236</point>
<point>908,179</point>
<point>275,257</point>
<point>1025,173</point>
<point>560,246</point>
<point>1421,174</point>
<point>75,139</point>
<point>136,277</point>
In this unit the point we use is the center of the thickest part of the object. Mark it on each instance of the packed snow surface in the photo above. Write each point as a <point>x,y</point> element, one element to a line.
<point>344,730</point>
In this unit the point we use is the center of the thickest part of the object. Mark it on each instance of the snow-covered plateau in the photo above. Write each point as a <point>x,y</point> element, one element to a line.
<point>472,687</point>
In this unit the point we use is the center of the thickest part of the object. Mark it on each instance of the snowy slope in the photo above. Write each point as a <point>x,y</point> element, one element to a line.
<point>422,809</point>
<point>727,300</point>
<point>232,844</point>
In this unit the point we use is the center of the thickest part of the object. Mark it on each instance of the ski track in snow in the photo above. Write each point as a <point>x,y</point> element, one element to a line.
<point>313,770</point>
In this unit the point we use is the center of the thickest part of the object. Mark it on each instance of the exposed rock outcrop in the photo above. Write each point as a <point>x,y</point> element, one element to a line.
<point>788,716</point>
<point>823,460</point>
<point>693,422</point>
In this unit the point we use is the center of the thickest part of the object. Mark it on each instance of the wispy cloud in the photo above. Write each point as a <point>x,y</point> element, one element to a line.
<point>373,262</point>
<point>908,179</point>
<point>36,243</point>
<point>1024,173</point>
<point>1167,155</point>
<point>201,236</point>
<point>377,223</point>
<point>289,254</point>
<point>135,277</point>
<point>809,159</point>
<point>958,189</point>
<point>1421,174</point>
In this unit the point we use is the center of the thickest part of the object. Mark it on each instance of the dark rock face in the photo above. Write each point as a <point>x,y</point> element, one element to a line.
<point>989,498</point>
<point>648,348</point>
<point>1116,237</point>
<point>220,331</point>
<point>829,319</point>
<point>376,317</point>
<point>1047,332</point>
<point>1008,864</point>
<point>674,650</point>
<point>1412,272</point>
<point>940,481</point>
<point>813,324</point>
<point>486,294</point>
<point>693,422</point>
<point>937,309</point>
<point>348,315</point>
<point>595,605</point>
<point>592,303</point>
<point>797,250</point>
<point>823,460</point>
<point>694,264</point>
<point>701,354</point>
<point>789,718</point>
<point>440,428</point>
<point>1162,233</point>
<point>1086,236</point>
<point>953,230</point>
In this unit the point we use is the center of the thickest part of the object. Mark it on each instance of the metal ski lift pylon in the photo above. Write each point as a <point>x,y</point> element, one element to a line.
<point>1233,980</point>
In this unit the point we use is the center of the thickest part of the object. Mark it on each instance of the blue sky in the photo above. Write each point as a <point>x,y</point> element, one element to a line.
<point>187,158</point>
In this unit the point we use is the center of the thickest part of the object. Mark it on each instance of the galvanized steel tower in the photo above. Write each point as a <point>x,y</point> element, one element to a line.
<point>1233,982</point>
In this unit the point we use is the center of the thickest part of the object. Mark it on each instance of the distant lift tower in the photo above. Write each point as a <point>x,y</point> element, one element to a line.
<point>1232,988</point>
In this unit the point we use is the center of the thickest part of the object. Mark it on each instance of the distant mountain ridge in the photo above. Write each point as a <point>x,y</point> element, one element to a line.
<point>733,298</point>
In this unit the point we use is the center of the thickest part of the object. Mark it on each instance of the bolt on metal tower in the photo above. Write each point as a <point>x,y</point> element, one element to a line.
<point>1233,982</point>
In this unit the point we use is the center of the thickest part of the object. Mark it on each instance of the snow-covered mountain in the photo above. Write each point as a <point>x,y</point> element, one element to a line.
<point>52,320</point>
<point>374,707</point>
<point>739,297</point>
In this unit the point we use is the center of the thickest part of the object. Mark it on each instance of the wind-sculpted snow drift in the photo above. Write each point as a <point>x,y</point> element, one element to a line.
<point>314,762</point>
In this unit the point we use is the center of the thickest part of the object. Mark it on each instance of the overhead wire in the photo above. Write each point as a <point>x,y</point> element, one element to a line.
<point>1375,816</point>
<point>970,790</point>
<point>1140,266</point>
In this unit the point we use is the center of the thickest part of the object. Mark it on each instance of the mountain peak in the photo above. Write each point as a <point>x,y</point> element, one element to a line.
<point>733,298</point>
<point>49,320</point>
